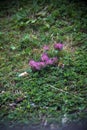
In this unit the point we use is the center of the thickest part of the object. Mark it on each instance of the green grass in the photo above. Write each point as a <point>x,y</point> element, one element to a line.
<point>24,28</point>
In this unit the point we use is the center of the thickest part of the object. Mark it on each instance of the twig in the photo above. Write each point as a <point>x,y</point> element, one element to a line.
<point>57,89</point>
<point>64,91</point>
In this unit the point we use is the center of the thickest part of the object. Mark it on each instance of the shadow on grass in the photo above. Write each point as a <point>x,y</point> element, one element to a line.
<point>77,125</point>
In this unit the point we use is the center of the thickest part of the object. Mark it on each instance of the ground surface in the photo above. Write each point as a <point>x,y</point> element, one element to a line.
<point>53,92</point>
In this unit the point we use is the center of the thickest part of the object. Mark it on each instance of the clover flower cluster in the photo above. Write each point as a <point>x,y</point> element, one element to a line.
<point>45,59</point>
<point>58,46</point>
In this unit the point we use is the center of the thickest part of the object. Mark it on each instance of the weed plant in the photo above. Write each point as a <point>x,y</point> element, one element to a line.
<point>25,27</point>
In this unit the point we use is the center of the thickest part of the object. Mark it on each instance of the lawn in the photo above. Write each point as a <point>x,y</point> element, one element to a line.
<point>54,91</point>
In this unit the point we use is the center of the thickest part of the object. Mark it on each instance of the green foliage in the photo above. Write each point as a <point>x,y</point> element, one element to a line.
<point>30,41</point>
<point>25,28</point>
